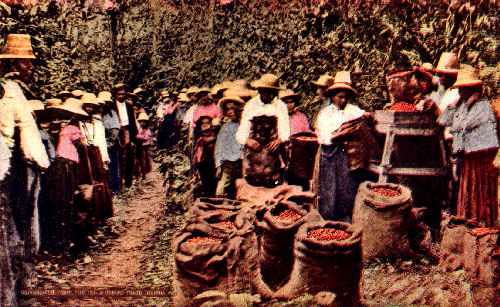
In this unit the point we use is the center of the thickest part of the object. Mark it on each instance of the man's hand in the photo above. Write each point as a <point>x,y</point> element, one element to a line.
<point>218,172</point>
<point>253,144</point>
<point>274,145</point>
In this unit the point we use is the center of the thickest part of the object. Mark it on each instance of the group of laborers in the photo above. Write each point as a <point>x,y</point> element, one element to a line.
<point>451,92</point>
<point>60,162</point>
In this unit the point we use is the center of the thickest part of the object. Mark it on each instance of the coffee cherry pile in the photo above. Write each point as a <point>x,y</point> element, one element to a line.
<point>483,231</point>
<point>288,216</point>
<point>496,252</point>
<point>218,210</point>
<point>386,191</point>
<point>203,240</point>
<point>403,107</point>
<point>226,224</point>
<point>328,234</point>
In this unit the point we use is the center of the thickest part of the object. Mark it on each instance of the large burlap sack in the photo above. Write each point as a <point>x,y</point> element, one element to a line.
<point>452,243</point>
<point>276,238</point>
<point>204,206</point>
<point>302,153</point>
<point>403,85</point>
<point>480,260</point>
<point>230,266</point>
<point>334,265</point>
<point>258,196</point>
<point>390,228</point>
<point>262,167</point>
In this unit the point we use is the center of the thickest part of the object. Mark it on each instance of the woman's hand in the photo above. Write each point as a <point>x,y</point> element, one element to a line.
<point>251,143</point>
<point>218,172</point>
<point>274,145</point>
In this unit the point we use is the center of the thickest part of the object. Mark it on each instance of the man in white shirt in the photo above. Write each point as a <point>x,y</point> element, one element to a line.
<point>265,103</point>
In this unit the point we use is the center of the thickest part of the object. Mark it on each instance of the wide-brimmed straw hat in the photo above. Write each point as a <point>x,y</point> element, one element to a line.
<point>202,91</point>
<point>63,93</point>
<point>139,91</point>
<point>36,105</point>
<point>89,98</point>
<point>324,81</point>
<point>220,87</point>
<point>342,82</point>
<point>183,98</point>
<point>448,63</point>
<point>235,99</point>
<point>242,92</point>
<point>142,116</point>
<point>468,77</point>
<point>192,90</point>
<point>267,81</point>
<point>72,105</point>
<point>18,46</point>
<point>77,94</point>
<point>104,97</point>
<point>52,103</point>
<point>288,93</point>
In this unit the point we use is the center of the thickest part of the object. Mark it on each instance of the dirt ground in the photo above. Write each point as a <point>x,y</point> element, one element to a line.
<point>133,252</point>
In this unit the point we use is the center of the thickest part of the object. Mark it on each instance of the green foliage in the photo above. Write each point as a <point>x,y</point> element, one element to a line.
<point>172,44</point>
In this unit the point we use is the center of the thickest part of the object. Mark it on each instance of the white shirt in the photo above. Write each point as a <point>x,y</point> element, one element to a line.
<point>255,107</point>
<point>94,134</point>
<point>188,117</point>
<point>331,118</point>
<point>122,112</point>
<point>15,111</point>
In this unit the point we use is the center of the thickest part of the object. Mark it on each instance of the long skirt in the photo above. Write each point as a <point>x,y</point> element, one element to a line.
<point>114,172</point>
<point>477,195</point>
<point>104,205</point>
<point>337,184</point>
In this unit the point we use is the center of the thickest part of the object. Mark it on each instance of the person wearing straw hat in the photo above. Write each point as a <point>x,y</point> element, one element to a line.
<point>228,152</point>
<point>298,121</point>
<point>206,106</point>
<point>323,82</point>
<point>143,143</point>
<point>266,103</point>
<point>112,127</point>
<point>128,131</point>
<point>93,128</point>
<point>140,93</point>
<point>191,94</point>
<point>28,156</point>
<point>446,71</point>
<point>472,124</point>
<point>172,113</point>
<point>337,184</point>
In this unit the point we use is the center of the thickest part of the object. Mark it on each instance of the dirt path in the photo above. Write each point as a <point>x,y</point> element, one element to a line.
<point>125,255</point>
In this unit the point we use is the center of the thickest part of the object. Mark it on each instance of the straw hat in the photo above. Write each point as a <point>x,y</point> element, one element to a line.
<point>235,99</point>
<point>468,77</point>
<point>192,90</point>
<point>218,88</point>
<point>427,66</point>
<point>52,102</point>
<point>139,90</point>
<point>242,92</point>
<point>184,90</point>
<point>287,93</point>
<point>142,116</point>
<point>72,105</point>
<point>119,86</point>
<point>77,93</point>
<point>342,81</point>
<point>62,93</point>
<point>203,90</point>
<point>18,46</point>
<point>183,98</point>
<point>36,105</point>
<point>448,63</point>
<point>238,83</point>
<point>267,81</point>
<point>89,98</point>
<point>324,81</point>
<point>104,97</point>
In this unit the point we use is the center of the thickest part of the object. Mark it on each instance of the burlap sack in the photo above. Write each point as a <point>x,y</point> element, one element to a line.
<point>302,153</point>
<point>230,266</point>
<point>403,85</point>
<point>389,225</point>
<point>262,167</point>
<point>258,196</point>
<point>452,243</point>
<point>276,240</point>
<point>479,259</point>
<point>334,266</point>
<point>204,206</point>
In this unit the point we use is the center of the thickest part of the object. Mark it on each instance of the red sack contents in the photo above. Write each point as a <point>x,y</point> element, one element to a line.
<point>403,107</point>
<point>203,240</point>
<point>387,191</point>
<point>390,227</point>
<point>276,236</point>
<point>288,216</point>
<point>496,252</point>
<point>452,243</point>
<point>227,224</point>
<point>328,234</point>
<point>334,265</point>
<point>218,210</point>
<point>480,261</point>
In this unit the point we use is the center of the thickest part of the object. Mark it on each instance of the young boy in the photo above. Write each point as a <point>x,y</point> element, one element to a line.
<point>228,152</point>
<point>143,142</point>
